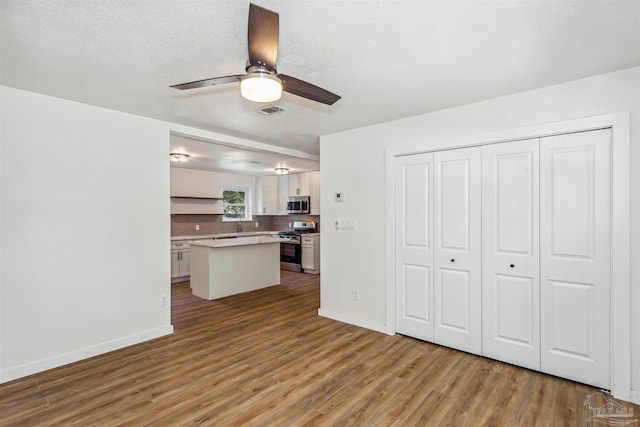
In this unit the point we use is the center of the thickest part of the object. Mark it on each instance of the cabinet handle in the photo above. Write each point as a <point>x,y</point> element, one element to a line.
<point>512,265</point>
<point>453,260</point>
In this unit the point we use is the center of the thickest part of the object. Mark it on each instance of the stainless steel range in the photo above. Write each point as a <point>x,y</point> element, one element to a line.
<point>290,248</point>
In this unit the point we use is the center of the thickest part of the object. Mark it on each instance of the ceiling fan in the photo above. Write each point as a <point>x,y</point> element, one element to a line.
<point>262,83</point>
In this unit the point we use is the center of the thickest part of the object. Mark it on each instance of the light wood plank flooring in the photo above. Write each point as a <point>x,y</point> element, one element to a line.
<point>265,358</point>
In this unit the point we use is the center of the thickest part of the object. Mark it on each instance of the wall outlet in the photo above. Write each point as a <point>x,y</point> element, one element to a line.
<point>197,227</point>
<point>164,299</point>
<point>354,295</point>
<point>256,225</point>
<point>289,225</point>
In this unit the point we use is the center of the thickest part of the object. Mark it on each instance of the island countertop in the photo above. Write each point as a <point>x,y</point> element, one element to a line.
<point>235,241</point>
<point>224,267</point>
<point>224,235</point>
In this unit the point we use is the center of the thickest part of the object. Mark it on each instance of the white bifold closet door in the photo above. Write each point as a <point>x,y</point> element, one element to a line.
<point>414,246</point>
<point>575,256</point>
<point>510,258</point>
<point>457,249</point>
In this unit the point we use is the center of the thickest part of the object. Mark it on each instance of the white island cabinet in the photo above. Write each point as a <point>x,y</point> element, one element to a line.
<point>220,268</point>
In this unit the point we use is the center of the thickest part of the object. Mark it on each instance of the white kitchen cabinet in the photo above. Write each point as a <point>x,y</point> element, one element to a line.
<point>314,192</point>
<point>283,194</point>
<point>270,196</point>
<point>299,184</point>
<point>180,260</point>
<point>310,253</point>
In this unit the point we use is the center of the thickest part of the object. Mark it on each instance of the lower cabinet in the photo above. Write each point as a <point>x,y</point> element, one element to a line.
<point>504,250</point>
<point>310,254</point>
<point>180,260</point>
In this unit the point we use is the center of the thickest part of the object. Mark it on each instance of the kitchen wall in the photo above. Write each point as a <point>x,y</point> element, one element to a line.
<point>363,183</point>
<point>185,225</point>
<point>84,231</point>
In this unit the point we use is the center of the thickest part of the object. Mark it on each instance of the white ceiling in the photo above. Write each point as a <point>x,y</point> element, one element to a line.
<point>387,59</point>
<point>217,156</point>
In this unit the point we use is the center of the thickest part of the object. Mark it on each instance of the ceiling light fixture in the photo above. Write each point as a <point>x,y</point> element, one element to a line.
<point>179,157</point>
<point>282,171</point>
<point>259,85</point>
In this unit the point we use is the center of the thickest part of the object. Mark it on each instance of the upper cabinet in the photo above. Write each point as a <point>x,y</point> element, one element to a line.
<point>267,195</point>
<point>271,194</point>
<point>299,184</point>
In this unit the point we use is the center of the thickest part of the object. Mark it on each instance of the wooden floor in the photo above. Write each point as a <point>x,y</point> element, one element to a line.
<point>265,358</point>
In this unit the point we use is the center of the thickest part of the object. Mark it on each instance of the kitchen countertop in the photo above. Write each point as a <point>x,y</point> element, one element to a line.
<point>236,241</point>
<point>223,235</point>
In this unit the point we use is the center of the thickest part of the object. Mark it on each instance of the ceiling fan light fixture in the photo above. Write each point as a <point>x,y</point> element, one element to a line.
<point>261,87</point>
<point>179,157</point>
<point>282,171</point>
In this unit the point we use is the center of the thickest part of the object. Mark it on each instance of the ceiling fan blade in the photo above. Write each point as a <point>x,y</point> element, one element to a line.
<point>264,30</point>
<point>208,82</point>
<point>307,90</point>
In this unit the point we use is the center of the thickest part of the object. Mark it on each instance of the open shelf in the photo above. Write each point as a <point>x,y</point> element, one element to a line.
<point>196,198</point>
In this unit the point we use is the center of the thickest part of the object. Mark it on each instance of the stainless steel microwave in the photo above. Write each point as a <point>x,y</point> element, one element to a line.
<point>298,204</point>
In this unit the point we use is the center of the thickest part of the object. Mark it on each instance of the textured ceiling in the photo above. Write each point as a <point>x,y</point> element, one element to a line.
<point>387,59</point>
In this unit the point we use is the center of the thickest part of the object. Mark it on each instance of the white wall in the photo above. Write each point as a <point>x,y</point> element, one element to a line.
<point>84,231</point>
<point>353,162</point>
<point>201,183</point>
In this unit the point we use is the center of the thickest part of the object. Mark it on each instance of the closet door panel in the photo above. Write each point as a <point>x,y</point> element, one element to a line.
<point>457,292</point>
<point>575,266</point>
<point>414,246</point>
<point>510,260</point>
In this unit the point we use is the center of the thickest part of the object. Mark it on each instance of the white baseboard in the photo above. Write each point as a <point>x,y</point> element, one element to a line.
<point>374,326</point>
<point>85,353</point>
<point>635,396</point>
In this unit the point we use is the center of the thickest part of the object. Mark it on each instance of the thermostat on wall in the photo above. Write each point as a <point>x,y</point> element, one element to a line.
<point>339,197</point>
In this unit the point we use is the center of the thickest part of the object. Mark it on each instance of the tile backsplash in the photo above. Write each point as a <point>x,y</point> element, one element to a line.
<point>185,225</point>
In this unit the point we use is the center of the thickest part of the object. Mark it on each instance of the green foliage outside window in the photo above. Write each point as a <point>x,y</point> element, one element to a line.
<point>234,204</point>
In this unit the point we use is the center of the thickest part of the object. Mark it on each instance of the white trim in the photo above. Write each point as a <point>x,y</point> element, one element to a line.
<point>85,353</point>
<point>620,243</point>
<point>344,318</point>
<point>248,213</point>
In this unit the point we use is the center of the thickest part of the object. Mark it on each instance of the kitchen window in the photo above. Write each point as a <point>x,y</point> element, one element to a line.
<point>236,204</point>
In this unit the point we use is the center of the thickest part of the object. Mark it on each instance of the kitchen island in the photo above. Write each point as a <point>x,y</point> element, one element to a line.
<point>224,267</point>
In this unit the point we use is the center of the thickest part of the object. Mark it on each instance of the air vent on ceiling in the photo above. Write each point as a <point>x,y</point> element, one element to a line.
<point>271,109</point>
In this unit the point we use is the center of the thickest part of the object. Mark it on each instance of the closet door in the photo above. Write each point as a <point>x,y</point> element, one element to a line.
<point>510,258</point>
<point>414,246</point>
<point>575,204</point>
<point>457,279</point>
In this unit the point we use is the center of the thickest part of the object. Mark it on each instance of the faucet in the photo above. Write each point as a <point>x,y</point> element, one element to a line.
<point>239,227</point>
